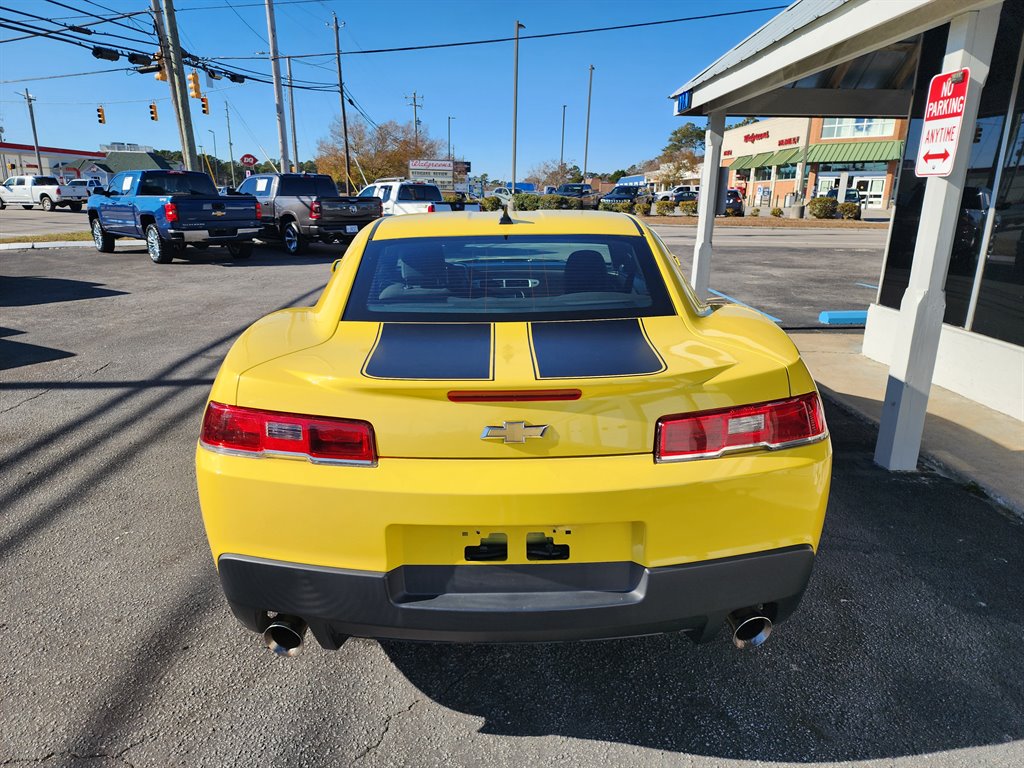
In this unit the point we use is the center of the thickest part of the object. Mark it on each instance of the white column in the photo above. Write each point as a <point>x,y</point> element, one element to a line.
<point>844,182</point>
<point>971,37</point>
<point>707,204</point>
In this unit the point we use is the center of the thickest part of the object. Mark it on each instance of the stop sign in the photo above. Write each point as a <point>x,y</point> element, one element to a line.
<point>249,160</point>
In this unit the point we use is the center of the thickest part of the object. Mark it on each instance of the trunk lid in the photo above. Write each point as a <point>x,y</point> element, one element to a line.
<point>402,378</point>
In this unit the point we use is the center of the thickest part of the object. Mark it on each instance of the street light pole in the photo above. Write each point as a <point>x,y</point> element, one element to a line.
<point>291,110</point>
<point>561,152</point>
<point>29,98</point>
<point>231,148</point>
<point>341,95</point>
<point>450,118</point>
<point>275,77</point>
<point>515,101</point>
<point>586,141</point>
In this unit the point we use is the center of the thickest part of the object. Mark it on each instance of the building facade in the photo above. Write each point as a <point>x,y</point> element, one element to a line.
<point>20,159</point>
<point>785,161</point>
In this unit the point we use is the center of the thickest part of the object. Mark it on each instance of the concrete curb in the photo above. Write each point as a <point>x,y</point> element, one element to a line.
<point>51,244</point>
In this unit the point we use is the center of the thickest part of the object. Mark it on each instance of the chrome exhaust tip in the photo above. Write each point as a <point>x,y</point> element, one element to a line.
<point>749,628</point>
<point>285,636</point>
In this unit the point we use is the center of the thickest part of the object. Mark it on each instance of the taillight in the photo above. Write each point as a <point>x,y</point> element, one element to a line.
<point>705,435</point>
<point>259,210</point>
<point>314,210</point>
<point>170,211</point>
<point>430,208</point>
<point>248,431</point>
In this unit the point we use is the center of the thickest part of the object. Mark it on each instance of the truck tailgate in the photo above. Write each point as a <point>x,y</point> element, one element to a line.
<point>339,210</point>
<point>221,211</point>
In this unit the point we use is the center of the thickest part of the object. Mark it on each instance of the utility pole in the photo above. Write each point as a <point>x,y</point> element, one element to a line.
<point>165,62</point>
<point>176,75</point>
<point>231,149</point>
<point>515,102</point>
<point>586,141</point>
<point>29,98</point>
<point>415,119</point>
<point>450,118</point>
<point>291,109</point>
<point>561,152</point>
<point>341,95</point>
<point>275,74</point>
<point>216,164</point>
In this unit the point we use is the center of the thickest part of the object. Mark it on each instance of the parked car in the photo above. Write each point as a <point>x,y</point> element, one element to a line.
<point>680,196</point>
<point>677,190</point>
<point>584,192</point>
<point>354,476</point>
<point>549,190</point>
<point>733,202</point>
<point>852,195</point>
<point>402,196</point>
<point>87,184</point>
<point>627,194</point>
<point>299,208</point>
<point>45,191</point>
<point>171,210</point>
<point>228,190</point>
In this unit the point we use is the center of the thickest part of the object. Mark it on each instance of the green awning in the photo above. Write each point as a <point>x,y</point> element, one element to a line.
<point>856,152</point>
<point>759,161</point>
<point>783,157</point>
<point>740,163</point>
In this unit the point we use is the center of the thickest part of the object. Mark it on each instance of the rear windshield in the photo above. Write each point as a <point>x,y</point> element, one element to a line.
<point>176,183</point>
<point>45,181</point>
<point>514,278</point>
<point>426,192</point>
<point>574,189</point>
<point>307,186</point>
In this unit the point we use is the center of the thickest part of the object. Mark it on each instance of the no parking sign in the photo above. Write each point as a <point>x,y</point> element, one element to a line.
<point>943,115</point>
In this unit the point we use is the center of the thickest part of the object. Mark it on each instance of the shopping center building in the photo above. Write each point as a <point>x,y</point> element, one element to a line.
<point>768,159</point>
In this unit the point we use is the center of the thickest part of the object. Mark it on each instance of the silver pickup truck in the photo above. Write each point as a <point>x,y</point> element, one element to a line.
<point>45,191</point>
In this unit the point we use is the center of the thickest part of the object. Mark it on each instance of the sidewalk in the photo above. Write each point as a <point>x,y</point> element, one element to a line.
<point>967,439</point>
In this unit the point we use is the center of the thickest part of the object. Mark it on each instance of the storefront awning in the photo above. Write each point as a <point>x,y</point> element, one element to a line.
<point>760,161</point>
<point>784,157</point>
<point>856,152</point>
<point>740,163</point>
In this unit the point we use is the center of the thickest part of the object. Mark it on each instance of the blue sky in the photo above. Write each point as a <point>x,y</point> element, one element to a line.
<point>631,115</point>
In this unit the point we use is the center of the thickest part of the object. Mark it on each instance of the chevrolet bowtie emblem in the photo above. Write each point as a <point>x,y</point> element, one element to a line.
<point>514,431</point>
<point>218,213</point>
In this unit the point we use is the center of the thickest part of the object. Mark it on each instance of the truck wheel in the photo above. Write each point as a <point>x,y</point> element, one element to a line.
<point>160,251</point>
<point>104,242</point>
<point>2,204</point>
<point>46,203</point>
<point>76,207</point>
<point>294,242</point>
<point>240,250</point>
<point>28,207</point>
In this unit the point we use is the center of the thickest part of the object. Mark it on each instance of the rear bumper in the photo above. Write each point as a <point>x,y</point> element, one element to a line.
<point>516,603</point>
<point>336,229</point>
<point>229,235</point>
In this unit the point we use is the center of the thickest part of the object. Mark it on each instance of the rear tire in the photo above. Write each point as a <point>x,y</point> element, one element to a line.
<point>294,242</point>
<point>104,243</point>
<point>46,203</point>
<point>160,251</point>
<point>240,250</point>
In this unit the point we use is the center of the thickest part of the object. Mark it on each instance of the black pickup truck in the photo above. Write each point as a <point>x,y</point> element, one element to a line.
<point>301,207</point>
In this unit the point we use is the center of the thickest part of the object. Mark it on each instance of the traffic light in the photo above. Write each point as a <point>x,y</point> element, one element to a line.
<point>152,111</point>
<point>158,59</point>
<point>206,105</point>
<point>101,116</point>
<point>193,85</point>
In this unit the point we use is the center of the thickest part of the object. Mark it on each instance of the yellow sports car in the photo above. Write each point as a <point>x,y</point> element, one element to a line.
<point>496,428</point>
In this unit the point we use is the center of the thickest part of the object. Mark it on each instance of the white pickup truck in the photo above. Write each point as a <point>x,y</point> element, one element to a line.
<point>44,191</point>
<point>401,196</point>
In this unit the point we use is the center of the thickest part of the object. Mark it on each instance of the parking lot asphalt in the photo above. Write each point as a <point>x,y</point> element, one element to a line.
<point>121,651</point>
<point>17,222</point>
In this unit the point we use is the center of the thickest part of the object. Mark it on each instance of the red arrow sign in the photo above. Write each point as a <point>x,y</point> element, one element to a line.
<point>936,156</point>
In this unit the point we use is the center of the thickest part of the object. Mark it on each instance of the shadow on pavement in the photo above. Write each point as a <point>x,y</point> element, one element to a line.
<point>28,291</point>
<point>14,354</point>
<point>262,256</point>
<point>907,642</point>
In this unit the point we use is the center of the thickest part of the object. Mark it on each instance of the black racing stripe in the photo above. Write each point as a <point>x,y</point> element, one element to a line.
<point>374,230</point>
<point>592,349</point>
<point>431,351</point>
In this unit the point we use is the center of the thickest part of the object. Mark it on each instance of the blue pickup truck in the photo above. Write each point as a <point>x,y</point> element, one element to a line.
<point>171,210</point>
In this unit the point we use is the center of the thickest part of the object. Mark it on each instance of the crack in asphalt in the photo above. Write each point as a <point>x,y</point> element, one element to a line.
<point>50,389</point>
<point>118,756</point>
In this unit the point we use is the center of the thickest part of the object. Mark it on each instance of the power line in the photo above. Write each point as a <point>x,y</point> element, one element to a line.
<point>73,74</point>
<point>534,37</point>
<point>77,28</point>
<point>102,19</point>
<point>241,19</point>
